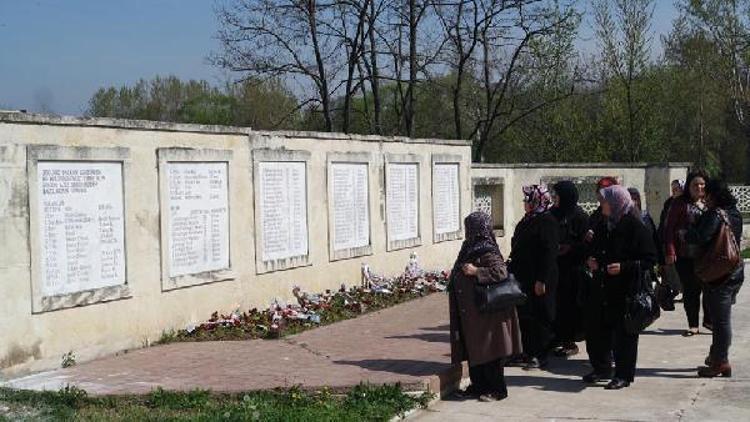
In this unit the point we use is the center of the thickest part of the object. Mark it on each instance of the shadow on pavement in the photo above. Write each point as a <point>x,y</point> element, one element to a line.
<point>417,368</point>
<point>445,328</point>
<point>431,337</point>
<point>540,382</point>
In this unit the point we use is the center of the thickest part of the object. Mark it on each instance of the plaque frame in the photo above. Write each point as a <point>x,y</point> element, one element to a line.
<point>452,159</point>
<point>395,245</point>
<point>278,155</point>
<point>348,158</point>
<point>37,153</point>
<point>196,156</point>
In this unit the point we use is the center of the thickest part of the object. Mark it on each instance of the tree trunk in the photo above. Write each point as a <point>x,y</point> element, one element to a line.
<point>374,74</point>
<point>325,99</point>
<point>409,109</point>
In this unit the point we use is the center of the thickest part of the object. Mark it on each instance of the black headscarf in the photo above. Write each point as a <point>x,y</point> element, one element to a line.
<point>480,239</point>
<point>568,194</point>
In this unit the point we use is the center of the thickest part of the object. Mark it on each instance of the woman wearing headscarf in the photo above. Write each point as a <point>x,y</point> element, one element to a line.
<point>720,297</point>
<point>572,223</point>
<point>627,248</point>
<point>684,213</point>
<point>668,273</point>
<point>597,221</point>
<point>484,339</point>
<point>533,260</point>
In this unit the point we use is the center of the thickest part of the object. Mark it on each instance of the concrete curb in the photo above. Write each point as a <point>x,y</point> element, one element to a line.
<point>442,384</point>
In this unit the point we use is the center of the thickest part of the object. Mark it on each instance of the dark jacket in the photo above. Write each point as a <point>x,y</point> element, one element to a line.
<point>660,229</point>
<point>573,228</point>
<point>482,337</point>
<point>704,233</point>
<point>631,244</point>
<point>534,247</point>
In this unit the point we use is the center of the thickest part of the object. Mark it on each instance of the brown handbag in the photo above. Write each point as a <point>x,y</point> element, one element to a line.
<point>718,262</point>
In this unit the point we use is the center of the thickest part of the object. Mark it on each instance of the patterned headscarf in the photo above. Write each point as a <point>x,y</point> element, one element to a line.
<point>538,197</point>
<point>480,239</point>
<point>619,202</point>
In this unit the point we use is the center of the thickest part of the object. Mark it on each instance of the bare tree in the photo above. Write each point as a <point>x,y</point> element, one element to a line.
<point>282,38</point>
<point>511,60</point>
<point>624,35</point>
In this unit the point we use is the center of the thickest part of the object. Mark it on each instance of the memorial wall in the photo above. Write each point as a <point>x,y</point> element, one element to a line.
<point>114,231</point>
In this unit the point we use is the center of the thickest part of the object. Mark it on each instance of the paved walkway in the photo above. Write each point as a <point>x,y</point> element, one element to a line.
<point>407,343</point>
<point>666,387</point>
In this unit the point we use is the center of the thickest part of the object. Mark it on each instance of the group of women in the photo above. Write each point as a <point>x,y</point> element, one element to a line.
<point>577,272</point>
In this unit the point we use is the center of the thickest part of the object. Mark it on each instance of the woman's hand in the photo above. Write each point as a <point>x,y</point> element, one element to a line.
<point>539,288</point>
<point>470,269</point>
<point>589,236</point>
<point>614,269</point>
<point>592,264</point>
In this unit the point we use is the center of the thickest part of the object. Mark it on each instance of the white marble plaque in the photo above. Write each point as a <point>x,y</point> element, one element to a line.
<point>198,229</point>
<point>445,198</point>
<point>283,209</point>
<point>402,199</point>
<point>351,217</point>
<point>82,228</point>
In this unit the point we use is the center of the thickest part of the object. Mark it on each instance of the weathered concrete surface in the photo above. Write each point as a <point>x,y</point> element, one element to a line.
<point>666,387</point>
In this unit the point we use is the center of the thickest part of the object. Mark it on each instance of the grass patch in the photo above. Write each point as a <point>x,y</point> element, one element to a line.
<point>363,403</point>
<point>746,253</point>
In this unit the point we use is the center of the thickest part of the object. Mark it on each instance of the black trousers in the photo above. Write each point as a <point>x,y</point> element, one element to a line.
<point>568,315</point>
<point>489,378</point>
<point>720,299</point>
<point>692,289</point>
<point>537,318</point>
<point>605,341</point>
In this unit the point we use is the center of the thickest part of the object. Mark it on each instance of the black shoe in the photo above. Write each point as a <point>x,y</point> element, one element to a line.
<point>535,363</point>
<point>490,397</point>
<point>517,361</point>
<point>617,384</point>
<point>595,377</point>
<point>470,392</point>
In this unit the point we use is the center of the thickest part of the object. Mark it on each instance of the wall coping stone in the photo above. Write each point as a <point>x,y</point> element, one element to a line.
<point>106,122</point>
<point>576,165</point>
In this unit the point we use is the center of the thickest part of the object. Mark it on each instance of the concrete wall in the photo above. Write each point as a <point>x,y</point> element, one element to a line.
<point>652,180</point>
<point>34,338</point>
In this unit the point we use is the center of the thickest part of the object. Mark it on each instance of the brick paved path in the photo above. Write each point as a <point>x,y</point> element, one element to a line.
<point>406,343</point>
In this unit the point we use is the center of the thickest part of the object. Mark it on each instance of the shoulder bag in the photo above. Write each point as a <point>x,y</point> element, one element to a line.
<point>722,257</point>
<point>641,308</point>
<point>499,296</point>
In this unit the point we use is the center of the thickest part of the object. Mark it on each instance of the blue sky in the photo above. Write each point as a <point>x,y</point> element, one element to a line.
<point>57,53</point>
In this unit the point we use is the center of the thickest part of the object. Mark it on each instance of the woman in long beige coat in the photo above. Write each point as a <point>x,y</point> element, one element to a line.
<point>484,339</point>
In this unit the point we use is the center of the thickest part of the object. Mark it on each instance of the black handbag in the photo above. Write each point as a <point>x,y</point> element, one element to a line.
<point>641,307</point>
<point>494,297</point>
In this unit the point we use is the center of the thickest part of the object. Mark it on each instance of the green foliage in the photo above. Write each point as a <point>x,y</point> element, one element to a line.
<point>362,403</point>
<point>261,105</point>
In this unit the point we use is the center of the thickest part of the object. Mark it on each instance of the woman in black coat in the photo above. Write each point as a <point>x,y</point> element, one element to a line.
<point>719,297</point>
<point>573,223</point>
<point>624,250</point>
<point>533,260</point>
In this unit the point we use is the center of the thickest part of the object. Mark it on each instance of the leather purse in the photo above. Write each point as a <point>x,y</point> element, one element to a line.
<point>641,307</point>
<point>721,258</point>
<point>495,297</point>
